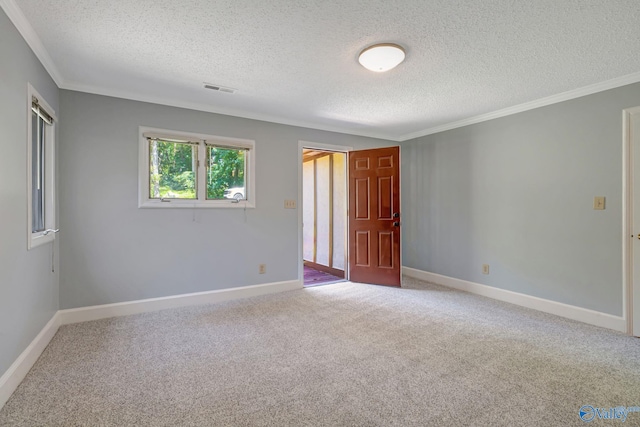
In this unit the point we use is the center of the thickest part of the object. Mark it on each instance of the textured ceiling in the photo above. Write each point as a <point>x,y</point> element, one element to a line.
<point>295,61</point>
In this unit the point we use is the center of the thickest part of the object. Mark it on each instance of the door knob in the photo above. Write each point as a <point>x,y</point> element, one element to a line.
<point>396,224</point>
<point>396,215</point>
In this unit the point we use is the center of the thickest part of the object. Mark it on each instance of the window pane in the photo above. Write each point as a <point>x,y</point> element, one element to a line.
<point>172,167</point>
<point>226,173</point>
<point>37,173</point>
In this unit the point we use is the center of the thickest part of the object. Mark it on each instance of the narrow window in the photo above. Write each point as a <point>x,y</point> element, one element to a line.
<point>40,171</point>
<point>37,172</point>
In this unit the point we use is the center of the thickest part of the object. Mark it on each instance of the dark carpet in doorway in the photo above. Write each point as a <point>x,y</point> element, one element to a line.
<point>313,277</point>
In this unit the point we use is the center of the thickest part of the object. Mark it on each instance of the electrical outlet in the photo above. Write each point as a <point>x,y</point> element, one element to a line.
<point>598,203</point>
<point>262,268</point>
<point>485,268</point>
<point>289,204</point>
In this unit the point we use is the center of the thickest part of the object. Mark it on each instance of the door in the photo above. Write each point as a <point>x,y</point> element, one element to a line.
<point>374,216</point>
<point>634,294</point>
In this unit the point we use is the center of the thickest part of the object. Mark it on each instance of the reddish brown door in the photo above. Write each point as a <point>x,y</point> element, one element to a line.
<point>374,216</point>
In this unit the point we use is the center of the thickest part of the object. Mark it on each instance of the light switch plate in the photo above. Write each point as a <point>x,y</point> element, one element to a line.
<point>289,204</point>
<point>598,203</point>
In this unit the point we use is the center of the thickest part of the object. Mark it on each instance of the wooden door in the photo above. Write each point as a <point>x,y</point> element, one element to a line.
<point>374,216</point>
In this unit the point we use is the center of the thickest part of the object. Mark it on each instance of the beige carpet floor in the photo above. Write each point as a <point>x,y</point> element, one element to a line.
<point>338,355</point>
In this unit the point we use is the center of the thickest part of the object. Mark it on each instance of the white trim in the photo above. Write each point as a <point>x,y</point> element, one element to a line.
<point>627,218</point>
<point>37,239</point>
<point>25,29</point>
<point>580,314</point>
<point>19,369</point>
<point>143,170</point>
<point>209,108</point>
<point>531,105</point>
<point>84,314</point>
<point>627,224</point>
<point>16,16</point>
<point>322,147</point>
<point>542,102</point>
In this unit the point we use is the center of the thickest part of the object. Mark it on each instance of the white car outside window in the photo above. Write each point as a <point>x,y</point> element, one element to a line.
<point>234,193</point>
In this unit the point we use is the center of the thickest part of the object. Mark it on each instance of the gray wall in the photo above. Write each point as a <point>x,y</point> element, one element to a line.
<point>517,193</point>
<point>28,288</point>
<point>111,251</point>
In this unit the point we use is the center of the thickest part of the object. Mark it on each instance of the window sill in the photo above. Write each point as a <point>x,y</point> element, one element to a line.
<point>40,239</point>
<point>191,204</point>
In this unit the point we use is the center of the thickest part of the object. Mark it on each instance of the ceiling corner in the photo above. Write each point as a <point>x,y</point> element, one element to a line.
<point>16,16</point>
<point>542,102</point>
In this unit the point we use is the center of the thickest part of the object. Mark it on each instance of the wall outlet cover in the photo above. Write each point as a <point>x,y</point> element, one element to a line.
<point>599,203</point>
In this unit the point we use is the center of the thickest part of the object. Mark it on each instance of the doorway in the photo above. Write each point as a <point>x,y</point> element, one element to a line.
<point>371,235</point>
<point>324,216</point>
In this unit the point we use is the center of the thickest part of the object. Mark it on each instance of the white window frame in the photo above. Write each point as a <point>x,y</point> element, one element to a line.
<point>144,201</point>
<point>47,236</point>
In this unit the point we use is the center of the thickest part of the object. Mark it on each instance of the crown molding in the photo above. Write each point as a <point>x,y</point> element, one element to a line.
<point>542,102</point>
<point>18,18</point>
<point>20,21</point>
<point>97,90</point>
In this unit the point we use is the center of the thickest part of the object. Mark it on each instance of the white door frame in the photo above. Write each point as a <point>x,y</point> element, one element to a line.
<point>321,147</point>
<point>628,232</point>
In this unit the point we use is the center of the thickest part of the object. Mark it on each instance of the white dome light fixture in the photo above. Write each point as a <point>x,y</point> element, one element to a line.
<point>381,57</point>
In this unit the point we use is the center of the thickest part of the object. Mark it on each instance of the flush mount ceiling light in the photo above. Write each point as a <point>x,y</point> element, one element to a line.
<point>381,57</point>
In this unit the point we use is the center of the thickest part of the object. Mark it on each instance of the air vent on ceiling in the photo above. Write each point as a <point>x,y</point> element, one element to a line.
<point>219,88</point>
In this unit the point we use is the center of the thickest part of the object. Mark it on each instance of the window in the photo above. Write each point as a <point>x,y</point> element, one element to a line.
<point>186,170</point>
<point>40,170</point>
<point>173,167</point>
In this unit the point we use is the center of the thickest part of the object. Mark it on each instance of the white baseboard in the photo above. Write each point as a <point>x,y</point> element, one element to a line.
<point>592,317</point>
<point>20,368</point>
<point>84,314</point>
